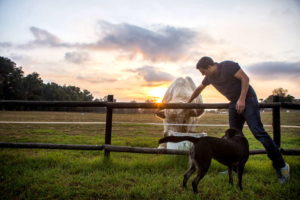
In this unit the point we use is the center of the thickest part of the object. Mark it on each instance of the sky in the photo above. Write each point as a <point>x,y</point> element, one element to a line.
<point>134,49</point>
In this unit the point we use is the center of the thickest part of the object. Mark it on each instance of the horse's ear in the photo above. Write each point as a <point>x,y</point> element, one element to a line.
<point>161,114</point>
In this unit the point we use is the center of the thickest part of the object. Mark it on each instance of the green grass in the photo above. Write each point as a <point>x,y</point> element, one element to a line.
<point>67,174</point>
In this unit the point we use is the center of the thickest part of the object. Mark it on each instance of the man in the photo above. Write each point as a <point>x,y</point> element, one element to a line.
<point>231,81</point>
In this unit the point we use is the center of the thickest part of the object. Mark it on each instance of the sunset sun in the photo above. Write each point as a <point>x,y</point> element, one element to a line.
<point>157,93</point>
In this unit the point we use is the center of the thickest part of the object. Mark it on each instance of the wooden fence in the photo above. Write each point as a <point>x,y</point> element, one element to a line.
<point>110,105</point>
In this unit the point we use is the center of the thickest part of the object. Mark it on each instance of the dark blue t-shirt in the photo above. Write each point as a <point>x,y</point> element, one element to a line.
<point>225,82</point>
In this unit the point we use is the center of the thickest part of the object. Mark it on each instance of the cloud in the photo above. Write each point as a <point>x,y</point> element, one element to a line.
<point>20,58</point>
<point>273,70</point>
<point>95,79</point>
<point>150,74</point>
<point>77,57</point>
<point>5,44</point>
<point>149,84</point>
<point>43,38</point>
<point>167,43</point>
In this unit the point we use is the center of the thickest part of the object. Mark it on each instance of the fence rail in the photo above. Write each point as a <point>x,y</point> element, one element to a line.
<point>110,105</point>
<point>136,105</point>
<point>114,148</point>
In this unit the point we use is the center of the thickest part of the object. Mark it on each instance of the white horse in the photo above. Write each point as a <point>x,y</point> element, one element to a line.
<point>179,92</point>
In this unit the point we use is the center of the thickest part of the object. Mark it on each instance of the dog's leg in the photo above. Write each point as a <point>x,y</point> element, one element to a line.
<point>201,173</point>
<point>240,175</point>
<point>187,175</point>
<point>230,175</point>
<point>203,164</point>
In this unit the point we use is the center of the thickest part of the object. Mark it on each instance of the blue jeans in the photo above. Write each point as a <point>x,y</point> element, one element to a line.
<point>251,115</point>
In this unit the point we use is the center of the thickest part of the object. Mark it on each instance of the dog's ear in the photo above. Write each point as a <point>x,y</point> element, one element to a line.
<point>161,114</point>
<point>231,132</point>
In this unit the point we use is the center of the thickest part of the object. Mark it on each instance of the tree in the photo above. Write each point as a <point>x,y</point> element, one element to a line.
<point>10,79</point>
<point>87,96</point>
<point>289,98</point>
<point>32,87</point>
<point>52,92</point>
<point>283,96</point>
<point>279,92</point>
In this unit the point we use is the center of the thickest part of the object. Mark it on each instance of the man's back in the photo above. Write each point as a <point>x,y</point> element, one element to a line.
<point>225,82</point>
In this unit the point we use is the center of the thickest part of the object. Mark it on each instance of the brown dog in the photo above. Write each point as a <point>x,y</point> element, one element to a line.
<point>231,150</point>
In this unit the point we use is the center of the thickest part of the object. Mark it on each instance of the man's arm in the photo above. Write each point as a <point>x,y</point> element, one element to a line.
<point>240,105</point>
<point>196,92</point>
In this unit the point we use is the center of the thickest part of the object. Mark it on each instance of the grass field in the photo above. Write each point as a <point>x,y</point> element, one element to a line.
<point>70,174</point>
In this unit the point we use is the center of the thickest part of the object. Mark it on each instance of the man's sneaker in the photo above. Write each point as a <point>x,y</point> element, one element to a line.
<point>284,174</point>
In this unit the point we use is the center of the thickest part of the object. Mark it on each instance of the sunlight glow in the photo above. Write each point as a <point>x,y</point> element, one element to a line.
<point>157,93</point>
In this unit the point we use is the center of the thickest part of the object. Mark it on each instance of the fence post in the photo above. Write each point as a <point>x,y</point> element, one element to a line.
<point>108,125</point>
<point>276,122</point>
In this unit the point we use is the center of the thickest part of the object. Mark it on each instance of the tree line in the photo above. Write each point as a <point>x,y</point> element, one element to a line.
<point>15,86</point>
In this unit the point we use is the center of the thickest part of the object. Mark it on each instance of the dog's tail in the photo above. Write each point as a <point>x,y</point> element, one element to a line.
<point>178,139</point>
